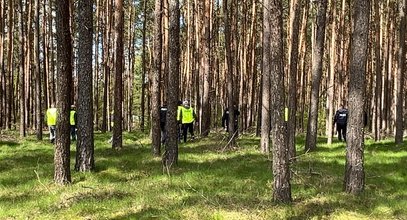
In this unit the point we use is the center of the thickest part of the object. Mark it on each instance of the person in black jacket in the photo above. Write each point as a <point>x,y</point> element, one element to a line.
<point>341,120</point>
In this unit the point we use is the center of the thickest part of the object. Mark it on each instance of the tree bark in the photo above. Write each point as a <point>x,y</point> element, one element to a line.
<point>170,156</point>
<point>38,88</point>
<point>22,72</point>
<point>155,80</point>
<point>354,170</point>
<point>62,174</point>
<point>400,74</point>
<point>85,146</point>
<point>281,172</point>
<point>265,80</point>
<point>317,55</point>
<point>117,142</point>
<point>205,68</point>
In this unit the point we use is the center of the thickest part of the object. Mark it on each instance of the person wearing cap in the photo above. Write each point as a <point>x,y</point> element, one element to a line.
<point>187,117</point>
<point>72,122</point>
<point>51,118</point>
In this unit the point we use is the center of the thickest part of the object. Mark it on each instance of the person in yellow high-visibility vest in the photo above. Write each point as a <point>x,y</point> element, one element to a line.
<point>51,118</point>
<point>179,107</point>
<point>72,122</point>
<point>187,117</point>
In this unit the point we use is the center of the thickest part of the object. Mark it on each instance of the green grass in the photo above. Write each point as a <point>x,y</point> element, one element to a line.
<point>206,184</point>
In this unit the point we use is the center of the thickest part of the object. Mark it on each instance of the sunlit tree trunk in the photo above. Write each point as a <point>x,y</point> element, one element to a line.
<point>354,169</point>
<point>155,80</point>
<point>117,142</point>
<point>400,74</point>
<point>37,62</point>
<point>265,80</point>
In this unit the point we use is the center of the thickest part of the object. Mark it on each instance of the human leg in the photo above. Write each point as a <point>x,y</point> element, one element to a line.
<point>184,131</point>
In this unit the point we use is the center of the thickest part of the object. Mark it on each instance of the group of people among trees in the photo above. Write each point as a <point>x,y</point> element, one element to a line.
<point>51,119</point>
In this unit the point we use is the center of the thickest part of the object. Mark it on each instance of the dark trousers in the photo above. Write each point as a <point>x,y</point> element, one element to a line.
<point>52,133</point>
<point>185,128</point>
<point>163,132</point>
<point>341,128</point>
<point>73,132</point>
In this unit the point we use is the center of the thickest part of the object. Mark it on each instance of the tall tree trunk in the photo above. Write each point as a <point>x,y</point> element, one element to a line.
<point>85,146</point>
<point>170,156</point>
<point>295,15</point>
<point>62,174</point>
<point>265,80</point>
<point>2,69</point>
<point>354,170</point>
<point>9,93</point>
<point>378,73</point>
<point>230,59</point>
<point>317,55</point>
<point>37,62</point>
<point>155,80</point>
<point>281,172</point>
<point>144,69</point>
<point>205,68</point>
<point>331,76</point>
<point>400,74</point>
<point>22,72</point>
<point>117,142</point>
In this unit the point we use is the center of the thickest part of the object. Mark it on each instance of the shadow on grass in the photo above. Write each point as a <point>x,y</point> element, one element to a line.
<point>8,144</point>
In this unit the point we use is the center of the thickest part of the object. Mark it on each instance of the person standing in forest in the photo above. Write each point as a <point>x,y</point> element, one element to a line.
<point>187,117</point>
<point>72,122</point>
<point>179,120</point>
<point>341,120</point>
<point>51,118</point>
<point>225,118</point>
<point>163,119</point>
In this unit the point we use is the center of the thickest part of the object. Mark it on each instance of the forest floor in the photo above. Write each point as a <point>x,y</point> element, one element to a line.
<point>207,183</point>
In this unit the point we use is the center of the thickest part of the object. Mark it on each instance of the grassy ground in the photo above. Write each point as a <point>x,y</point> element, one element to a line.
<point>206,184</point>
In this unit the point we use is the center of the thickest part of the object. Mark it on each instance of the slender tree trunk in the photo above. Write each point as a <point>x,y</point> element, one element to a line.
<point>117,142</point>
<point>9,93</point>
<point>37,63</point>
<point>331,77</point>
<point>205,68</point>
<point>295,16</point>
<point>318,53</point>
<point>144,70</point>
<point>265,80</point>
<point>354,171</point>
<point>230,59</point>
<point>281,172</point>
<point>400,74</point>
<point>62,174</point>
<point>170,156</point>
<point>155,80</point>
<point>85,146</point>
<point>22,73</point>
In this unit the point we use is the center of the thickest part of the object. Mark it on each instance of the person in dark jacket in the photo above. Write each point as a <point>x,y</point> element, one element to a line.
<point>341,120</point>
<point>225,118</point>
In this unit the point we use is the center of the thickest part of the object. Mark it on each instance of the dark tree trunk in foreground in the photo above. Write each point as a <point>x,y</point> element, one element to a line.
<point>22,72</point>
<point>354,170</point>
<point>155,81</point>
<point>170,156</point>
<point>117,142</point>
<point>400,75</point>
<point>281,172</point>
<point>317,55</point>
<point>85,147</point>
<point>62,174</point>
